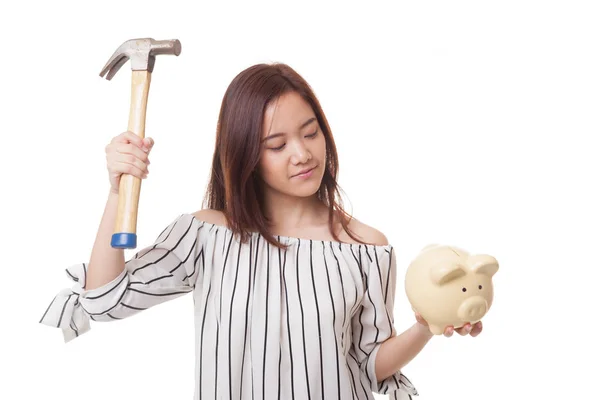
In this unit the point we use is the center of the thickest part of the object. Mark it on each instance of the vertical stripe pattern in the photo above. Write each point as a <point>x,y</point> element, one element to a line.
<point>301,323</point>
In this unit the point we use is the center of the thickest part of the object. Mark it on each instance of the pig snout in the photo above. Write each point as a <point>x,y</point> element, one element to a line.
<point>473,309</point>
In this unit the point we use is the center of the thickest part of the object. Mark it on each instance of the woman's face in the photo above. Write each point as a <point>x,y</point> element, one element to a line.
<point>292,142</point>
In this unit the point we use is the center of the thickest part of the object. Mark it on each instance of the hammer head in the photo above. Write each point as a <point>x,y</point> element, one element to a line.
<point>142,54</point>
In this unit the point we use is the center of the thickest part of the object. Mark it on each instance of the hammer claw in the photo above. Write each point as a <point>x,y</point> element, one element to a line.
<point>113,65</point>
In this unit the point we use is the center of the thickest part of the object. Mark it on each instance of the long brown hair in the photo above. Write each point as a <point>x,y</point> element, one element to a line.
<point>233,187</point>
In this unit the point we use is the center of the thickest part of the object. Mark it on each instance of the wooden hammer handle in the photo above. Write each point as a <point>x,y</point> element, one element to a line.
<point>124,236</point>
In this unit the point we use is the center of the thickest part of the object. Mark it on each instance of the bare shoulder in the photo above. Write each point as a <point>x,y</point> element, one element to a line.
<point>367,233</point>
<point>211,216</point>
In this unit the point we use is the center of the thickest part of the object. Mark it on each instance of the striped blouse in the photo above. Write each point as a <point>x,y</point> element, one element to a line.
<point>301,323</point>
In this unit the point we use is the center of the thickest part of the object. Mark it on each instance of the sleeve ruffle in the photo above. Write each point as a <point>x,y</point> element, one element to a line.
<point>163,271</point>
<point>66,311</point>
<point>398,386</point>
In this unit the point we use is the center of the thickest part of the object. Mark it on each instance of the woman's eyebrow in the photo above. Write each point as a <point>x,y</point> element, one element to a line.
<point>278,134</point>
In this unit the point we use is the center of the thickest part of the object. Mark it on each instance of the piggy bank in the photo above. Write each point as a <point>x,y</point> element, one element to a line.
<point>450,287</point>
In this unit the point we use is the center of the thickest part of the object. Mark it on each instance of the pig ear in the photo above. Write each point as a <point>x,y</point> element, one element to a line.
<point>446,272</point>
<point>485,264</point>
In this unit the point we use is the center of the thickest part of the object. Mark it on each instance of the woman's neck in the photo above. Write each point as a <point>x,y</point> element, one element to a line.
<point>287,213</point>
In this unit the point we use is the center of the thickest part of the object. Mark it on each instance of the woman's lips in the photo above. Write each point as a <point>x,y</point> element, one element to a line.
<point>306,174</point>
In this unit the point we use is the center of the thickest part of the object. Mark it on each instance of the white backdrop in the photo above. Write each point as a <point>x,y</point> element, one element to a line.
<point>462,122</point>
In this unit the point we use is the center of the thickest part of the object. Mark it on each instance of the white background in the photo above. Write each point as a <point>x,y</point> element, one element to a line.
<point>472,123</point>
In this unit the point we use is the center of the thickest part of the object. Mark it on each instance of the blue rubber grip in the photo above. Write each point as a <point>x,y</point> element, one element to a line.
<point>124,240</point>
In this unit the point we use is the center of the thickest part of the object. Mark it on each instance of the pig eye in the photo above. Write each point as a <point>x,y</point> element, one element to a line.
<point>480,287</point>
<point>464,289</point>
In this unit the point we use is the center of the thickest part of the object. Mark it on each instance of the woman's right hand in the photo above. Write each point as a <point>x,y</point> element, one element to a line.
<point>127,153</point>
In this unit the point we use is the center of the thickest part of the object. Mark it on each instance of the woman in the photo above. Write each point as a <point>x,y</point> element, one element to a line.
<point>294,298</point>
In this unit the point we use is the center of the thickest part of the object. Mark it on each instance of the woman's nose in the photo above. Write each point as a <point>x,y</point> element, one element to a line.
<point>301,154</point>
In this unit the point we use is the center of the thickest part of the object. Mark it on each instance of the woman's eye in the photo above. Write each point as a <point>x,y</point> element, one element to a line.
<point>312,135</point>
<point>278,148</point>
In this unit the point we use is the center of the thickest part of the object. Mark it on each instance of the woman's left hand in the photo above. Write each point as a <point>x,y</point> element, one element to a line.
<point>466,329</point>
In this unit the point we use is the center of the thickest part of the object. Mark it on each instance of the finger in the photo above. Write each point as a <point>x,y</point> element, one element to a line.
<point>464,330</point>
<point>148,143</point>
<point>133,150</point>
<point>130,169</point>
<point>133,160</point>
<point>421,320</point>
<point>115,162</point>
<point>133,138</point>
<point>449,331</point>
<point>127,137</point>
<point>477,328</point>
<point>130,137</point>
<point>124,141</point>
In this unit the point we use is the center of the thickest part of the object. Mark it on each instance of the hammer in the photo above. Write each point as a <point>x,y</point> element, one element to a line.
<point>142,54</point>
